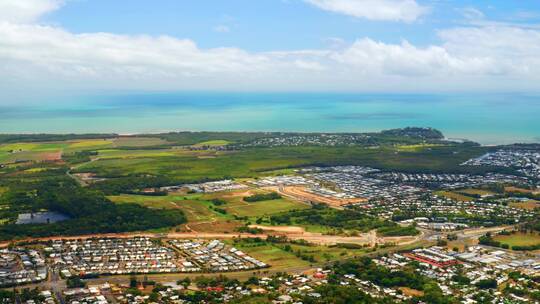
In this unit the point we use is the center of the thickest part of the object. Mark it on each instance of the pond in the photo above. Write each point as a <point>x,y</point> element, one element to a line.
<point>41,218</point>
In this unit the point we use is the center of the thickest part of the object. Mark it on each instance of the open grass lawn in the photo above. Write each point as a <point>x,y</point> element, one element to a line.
<point>519,239</point>
<point>263,208</point>
<point>328,253</point>
<point>273,256</point>
<point>455,196</point>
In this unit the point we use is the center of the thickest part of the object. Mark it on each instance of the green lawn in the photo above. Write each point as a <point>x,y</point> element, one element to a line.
<point>519,239</point>
<point>263,208</point>
<point>273,256</point>
<point>276,256</point>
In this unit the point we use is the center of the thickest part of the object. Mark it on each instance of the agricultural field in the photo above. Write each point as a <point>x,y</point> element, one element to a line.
<point>519,239</point>
<point>139,142</point>
<point>42,151</point>
<point>151,153</point>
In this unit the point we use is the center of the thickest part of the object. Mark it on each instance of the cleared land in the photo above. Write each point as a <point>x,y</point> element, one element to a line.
<point>528,205</point>
<point>302,194</point>
<point>521,190</point>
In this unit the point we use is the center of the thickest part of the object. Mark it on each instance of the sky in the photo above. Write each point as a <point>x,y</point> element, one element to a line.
<point>71,47</point>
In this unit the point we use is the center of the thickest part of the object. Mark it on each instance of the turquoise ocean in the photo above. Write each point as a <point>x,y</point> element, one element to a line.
<point>485,118</point>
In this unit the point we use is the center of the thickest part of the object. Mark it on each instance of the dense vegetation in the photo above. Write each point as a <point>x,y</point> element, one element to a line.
<point>14,138</point>
<point>89,211</point>
<point>262,197</point>
<point>350,220</point>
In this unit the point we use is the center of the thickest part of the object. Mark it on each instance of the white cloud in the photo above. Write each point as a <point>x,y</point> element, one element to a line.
<point>468,58</point>
<point>472,13</point>
<point>392,10</point>
<point>26,10</point>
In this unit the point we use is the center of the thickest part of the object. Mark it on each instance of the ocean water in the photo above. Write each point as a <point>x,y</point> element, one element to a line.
<point>485,118</point>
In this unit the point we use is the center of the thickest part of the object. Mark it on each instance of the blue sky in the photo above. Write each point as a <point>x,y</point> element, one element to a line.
<point>264,25</point>
<point>88,46</point>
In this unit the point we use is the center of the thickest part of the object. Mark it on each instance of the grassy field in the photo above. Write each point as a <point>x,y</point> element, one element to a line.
<point>519,239</point>
<point>476,191</point>
<point>217,142</point>
<point>143,154</point>
<point>237,206</point>
<point>194,207</point>
<point>39,151</point>
<point>528,205</point>
<point>454,196</point>
<point>264,208</point>
<point>254,162</point>
<point>139,142</point>
<point>276,256</point>
<point>416,148</point>
<point>273,256</point>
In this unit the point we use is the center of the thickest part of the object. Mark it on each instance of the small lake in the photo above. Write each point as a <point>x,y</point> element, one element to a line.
<point>41,218</point>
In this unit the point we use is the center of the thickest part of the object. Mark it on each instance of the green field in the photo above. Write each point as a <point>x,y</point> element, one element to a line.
<point>141,154</point>
<point>253,162</point>
<point>277,257</point>
<point>519,239</point>
<point>217,142</point>
<point>195,208</point>
<point>454,196</point>
<point>263,208</point>
<point>199,208</point>
<point>139,142</point>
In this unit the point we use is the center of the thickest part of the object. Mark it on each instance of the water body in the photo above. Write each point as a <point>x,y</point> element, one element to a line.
<point>40,218</point>
<point>485,118</point>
